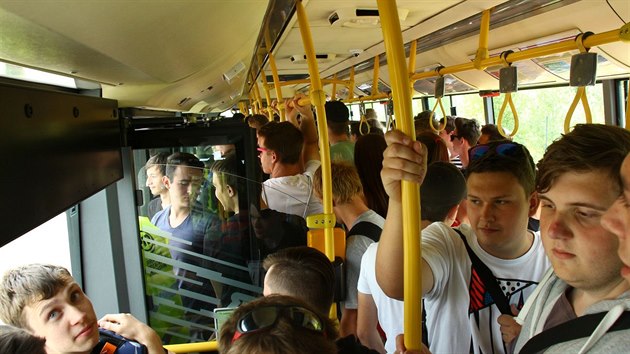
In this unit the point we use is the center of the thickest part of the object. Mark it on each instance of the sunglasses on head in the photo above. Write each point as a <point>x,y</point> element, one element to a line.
<point>504,149</point>
<point>266,317</point>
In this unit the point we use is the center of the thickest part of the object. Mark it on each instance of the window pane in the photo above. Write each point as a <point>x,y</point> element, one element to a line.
<point>469,106</point>
<point>541,114</point>
<point>47,243</point>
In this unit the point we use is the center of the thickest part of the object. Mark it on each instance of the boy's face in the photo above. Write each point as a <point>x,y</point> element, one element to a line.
<point>185,186</point>
<point>581,251</point>
<point>67,321</point>
<point>617,219</point>
<point>498,211</point>
<point>154,180</point>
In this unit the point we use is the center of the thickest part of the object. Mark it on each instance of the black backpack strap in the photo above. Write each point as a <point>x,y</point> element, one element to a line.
<point>580,327</point>
<point>489,280</point>
<point>367,229</point>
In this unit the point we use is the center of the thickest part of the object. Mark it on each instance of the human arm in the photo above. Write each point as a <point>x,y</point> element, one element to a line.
<point>404,159</point>
<point>367,320</point>
<point>306,126</point>
<point>130,327</point>
<point>348,322</point>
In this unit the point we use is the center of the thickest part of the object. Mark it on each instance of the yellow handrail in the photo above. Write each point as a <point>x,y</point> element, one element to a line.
<point>377,64</point>
<point>193,347</point>
<point>267,95</point>
<point>412,61</point>
<point>318,99</point>
<point>484,31</point>
<point>554,48</point>
<point>333,95</point>
<point>276,83</point>
<point>392,37</point>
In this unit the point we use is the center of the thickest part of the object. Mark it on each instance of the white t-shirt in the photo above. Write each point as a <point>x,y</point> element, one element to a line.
<point>453,314</point>
<point>293,194</point>
<point>390,311</point>
<point>356,246</point>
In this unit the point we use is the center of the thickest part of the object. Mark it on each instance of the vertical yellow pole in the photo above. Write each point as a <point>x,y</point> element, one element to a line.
<point>243,108</point>
<point>318,99</point>
<point>484,30</point>
<point>377,63</point>
<point>392,37</point>
<point>267,95</point>
<point>276,83</point>
<point>333,96</point>
<point>257,97</point>
<point>351,87</point>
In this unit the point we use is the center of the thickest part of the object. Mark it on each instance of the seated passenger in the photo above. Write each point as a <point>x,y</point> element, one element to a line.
<point>500,199</point>
<point>277,324</point>
<point>444,187</point>
<point>16,340</point>
<point>46,301</point>
<point>289,154</point>
<point>364,227</point>
<point>578,179</point>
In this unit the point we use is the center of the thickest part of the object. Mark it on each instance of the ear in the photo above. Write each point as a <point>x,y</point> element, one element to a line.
<point>534,201</point>
<point>166,182</point>
<point>452,214</point>
<point>230,191</point>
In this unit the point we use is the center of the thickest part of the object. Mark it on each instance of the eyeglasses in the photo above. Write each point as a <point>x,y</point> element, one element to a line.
<point>504,149</point>
<point>266,317</point>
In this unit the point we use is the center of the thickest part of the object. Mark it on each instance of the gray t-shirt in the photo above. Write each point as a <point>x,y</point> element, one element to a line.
<point>355,248</point>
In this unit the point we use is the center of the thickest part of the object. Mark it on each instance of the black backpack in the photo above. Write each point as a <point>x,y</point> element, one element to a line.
<point>112,343</point>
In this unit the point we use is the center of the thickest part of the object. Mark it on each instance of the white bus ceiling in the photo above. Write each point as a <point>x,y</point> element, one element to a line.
<point>174,54</point>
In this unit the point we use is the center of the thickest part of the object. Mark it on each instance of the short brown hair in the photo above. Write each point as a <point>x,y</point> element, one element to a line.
<point>346,183</point>
<point>17,340</point>
<point>283,337</point>
<point>305,273</point>
<point>588,147</point>
<point>25,285</point>
<point>158,160</point>
<point>285,139</point>
<point>468,129</point>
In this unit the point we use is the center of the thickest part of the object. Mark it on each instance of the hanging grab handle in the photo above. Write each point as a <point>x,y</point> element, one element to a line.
<point>508,83</point>
<point>363,120</point>
<point>439,93</point>
<point>583,73</point>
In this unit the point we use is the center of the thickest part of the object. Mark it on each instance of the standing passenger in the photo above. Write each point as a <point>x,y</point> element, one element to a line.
<point>155,169</point>
<point>460,310</point>
<point>617,219</point>
<point>289,154</point>
<point>364,227</point>
<point>444,187</point>
<point>368,159</point>
<point>337,119</point>
<point>464,137</point>
<point>578,180</point>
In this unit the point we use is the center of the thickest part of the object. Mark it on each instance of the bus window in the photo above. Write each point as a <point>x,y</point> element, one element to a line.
<point>541,114</point>
<point>47,243</point>
<point>469,106</point>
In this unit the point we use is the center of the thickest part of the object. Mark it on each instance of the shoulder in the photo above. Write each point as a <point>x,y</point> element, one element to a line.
<point>311,166</point>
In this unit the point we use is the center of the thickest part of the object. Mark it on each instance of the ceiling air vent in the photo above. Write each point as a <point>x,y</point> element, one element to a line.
<point>322,58</point>
<point>360,18</point>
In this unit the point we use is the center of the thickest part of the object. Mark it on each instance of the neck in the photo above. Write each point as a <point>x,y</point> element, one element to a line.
<point>334,139</point>
<point>464,156</point>
<point>514,249</point>
<point>284,170</point>
<point>166,199</point>
<point>581,299</point>
<point>425,223</point>
<point>177,216</point>
<point>349,212</point>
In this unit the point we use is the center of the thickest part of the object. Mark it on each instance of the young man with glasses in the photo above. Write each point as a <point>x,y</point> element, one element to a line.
<point>462,309</point>
<point>289,153</point>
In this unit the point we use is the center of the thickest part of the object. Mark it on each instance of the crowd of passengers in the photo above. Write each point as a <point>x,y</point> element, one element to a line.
<point>517,256</point>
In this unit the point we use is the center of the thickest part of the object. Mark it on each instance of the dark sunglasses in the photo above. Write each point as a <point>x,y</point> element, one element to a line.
<point>504,149</point>
<point>266,317</point>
